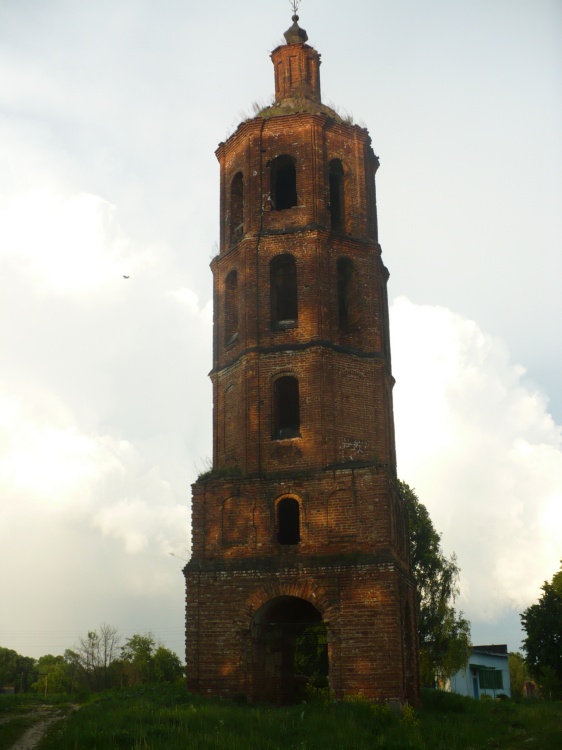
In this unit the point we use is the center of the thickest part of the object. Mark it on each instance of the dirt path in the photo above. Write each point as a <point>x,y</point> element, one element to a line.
<point>32,736</point>
<point>30,739</point>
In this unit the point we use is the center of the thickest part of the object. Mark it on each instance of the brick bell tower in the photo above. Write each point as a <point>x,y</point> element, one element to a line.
<point>299,535</point>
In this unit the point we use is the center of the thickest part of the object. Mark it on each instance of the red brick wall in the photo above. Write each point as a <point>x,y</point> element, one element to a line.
<point>297,72</point>
<point>351,563</point>
<point>313,140</point>
<point>362,605</point>
<point>343,511</point>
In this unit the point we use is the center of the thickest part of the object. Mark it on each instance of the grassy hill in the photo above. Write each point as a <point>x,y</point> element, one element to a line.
<point>165,718</point>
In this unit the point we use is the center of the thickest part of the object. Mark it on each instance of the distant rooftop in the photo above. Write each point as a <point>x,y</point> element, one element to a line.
<point>500,649</point>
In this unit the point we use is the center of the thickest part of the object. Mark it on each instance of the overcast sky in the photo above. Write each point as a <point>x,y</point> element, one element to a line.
<point>110,113</point>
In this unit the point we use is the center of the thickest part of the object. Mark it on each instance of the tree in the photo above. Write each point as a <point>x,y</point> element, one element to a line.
<point>311,655</point>
<point>143,662</point>
<point>518,674</point>
<point>8,666</point>
<point>14,668</point>
<point>136,657</point>
<point>92,656</point>
<point>543,645</point>
<point>444,635</point>
<point>167,665</point>
<point>53,673</point>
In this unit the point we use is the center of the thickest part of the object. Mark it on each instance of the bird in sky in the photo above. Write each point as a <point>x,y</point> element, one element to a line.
<point>125,277</point>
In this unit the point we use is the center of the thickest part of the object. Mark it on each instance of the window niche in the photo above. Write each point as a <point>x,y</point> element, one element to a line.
<point>235,522</point>
<point>283,292</point>
<point>283,183</point>
<point>335,175</point>
<point>288,521</point>
<point>346,312</point>
<point>286,408</point>
<point>236,208</point>
<point>231,308</point>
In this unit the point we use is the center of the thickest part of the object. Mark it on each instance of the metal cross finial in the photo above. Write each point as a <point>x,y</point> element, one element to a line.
<point>295,5</point>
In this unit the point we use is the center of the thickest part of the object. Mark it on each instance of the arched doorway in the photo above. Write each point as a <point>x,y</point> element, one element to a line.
<point>289,650</point>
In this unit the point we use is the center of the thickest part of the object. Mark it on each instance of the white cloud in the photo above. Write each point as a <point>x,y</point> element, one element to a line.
<point>48,467</point>
<point>95,454</point>
<point>75,508</point>
<point>482,452</point>
<point>135,521</point>
<point>201,315</point>
<point>68,243</point>
<point>45,461</point>
<point>186,297</point>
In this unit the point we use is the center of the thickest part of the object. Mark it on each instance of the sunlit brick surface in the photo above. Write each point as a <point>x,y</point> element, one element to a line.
<point>349,566</point>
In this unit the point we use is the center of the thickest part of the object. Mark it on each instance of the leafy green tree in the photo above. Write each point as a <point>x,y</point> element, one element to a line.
<point>311,655</point>
<point>8,666</point>
<point>142,661</point>
<point>137,659</point>
<point>167,665</point>
<point>518,674</point>
<point>53,674</point>
<point>549,683</point>
<point>444,635</point>
<point>15,668</point>
<point>543,645</point>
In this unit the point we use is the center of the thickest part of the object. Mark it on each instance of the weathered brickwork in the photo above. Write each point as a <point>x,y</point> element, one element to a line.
<point>362,604</point>
<point>300,521</point>
<point>342,511</point>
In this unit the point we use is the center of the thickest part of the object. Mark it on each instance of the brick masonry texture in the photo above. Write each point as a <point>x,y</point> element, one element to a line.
<point>348,566</point>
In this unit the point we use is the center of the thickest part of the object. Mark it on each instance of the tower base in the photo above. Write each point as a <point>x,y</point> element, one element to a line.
<point>246,623</point>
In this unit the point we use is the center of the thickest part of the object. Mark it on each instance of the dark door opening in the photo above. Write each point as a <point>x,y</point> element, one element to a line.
<point>290,650</point>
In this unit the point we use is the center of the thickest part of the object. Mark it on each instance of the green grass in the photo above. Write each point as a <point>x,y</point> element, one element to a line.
<point>13,729</point>
<point>166,718</point>
<point>451,721</point>
<point>20,712</point>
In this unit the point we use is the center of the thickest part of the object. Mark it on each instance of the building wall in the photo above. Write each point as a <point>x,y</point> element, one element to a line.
<point>463,682</point>
<point>349,567</point>
<point>362,605</point>
<point>327,360</point>
<point>350,511</point>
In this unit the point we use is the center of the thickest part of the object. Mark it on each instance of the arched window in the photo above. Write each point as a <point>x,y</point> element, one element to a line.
<point>286,409</point>
<point>231,308</point>
<point>283,291</point>
<point>283,182</point>
<point>236,208</point>
<point>288,521</point>
<point>335,169</point>
<point>345,276</point>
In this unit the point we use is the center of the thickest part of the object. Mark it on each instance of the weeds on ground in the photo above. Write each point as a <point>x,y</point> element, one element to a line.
<point>21,711</point>
<point>168,717</point>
